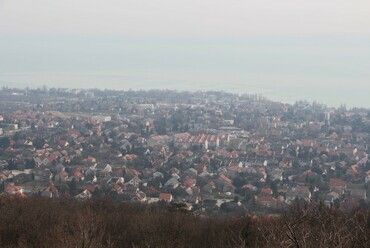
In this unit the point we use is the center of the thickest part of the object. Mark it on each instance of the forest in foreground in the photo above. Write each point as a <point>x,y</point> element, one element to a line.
<point>39,222</point>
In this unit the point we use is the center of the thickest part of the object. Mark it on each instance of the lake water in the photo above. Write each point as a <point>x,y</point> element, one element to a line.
<point>330,70</point>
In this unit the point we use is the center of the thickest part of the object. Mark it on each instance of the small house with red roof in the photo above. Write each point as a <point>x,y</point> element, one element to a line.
<point>166,197</point>
<point>337,185</point>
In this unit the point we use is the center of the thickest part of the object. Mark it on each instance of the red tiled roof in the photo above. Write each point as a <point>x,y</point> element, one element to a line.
<point>226,179</point>
<point>190,182</point>
<point>14,188</point>
<point>266,199</point>
<point>266,191</point>
<point>337,182</point>
<point>248,186</point>
<point>309,173</point>
<point>116,186</point>
<point>165,196</point>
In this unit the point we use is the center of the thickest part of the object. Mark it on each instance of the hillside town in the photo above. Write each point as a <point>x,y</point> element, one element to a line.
<point>211,153</point>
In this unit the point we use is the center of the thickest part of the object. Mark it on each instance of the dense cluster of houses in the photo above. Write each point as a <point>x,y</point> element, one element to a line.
<point>214,152</point>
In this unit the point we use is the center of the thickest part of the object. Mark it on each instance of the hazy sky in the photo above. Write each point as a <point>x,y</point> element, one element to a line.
<point>284,49</point>
<point>185,17</point>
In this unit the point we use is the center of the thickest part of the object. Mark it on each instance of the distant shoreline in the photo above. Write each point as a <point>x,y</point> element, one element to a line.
<point>283,101</point>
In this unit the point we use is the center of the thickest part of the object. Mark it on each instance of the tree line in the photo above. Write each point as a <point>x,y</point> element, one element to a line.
<point>40,222</point>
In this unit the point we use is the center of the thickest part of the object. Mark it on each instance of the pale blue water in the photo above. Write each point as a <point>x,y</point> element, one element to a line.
<point>330,70</point>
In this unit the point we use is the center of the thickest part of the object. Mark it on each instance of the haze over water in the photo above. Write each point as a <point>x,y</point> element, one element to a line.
<point>285,50</point>
<point>330,70</point>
